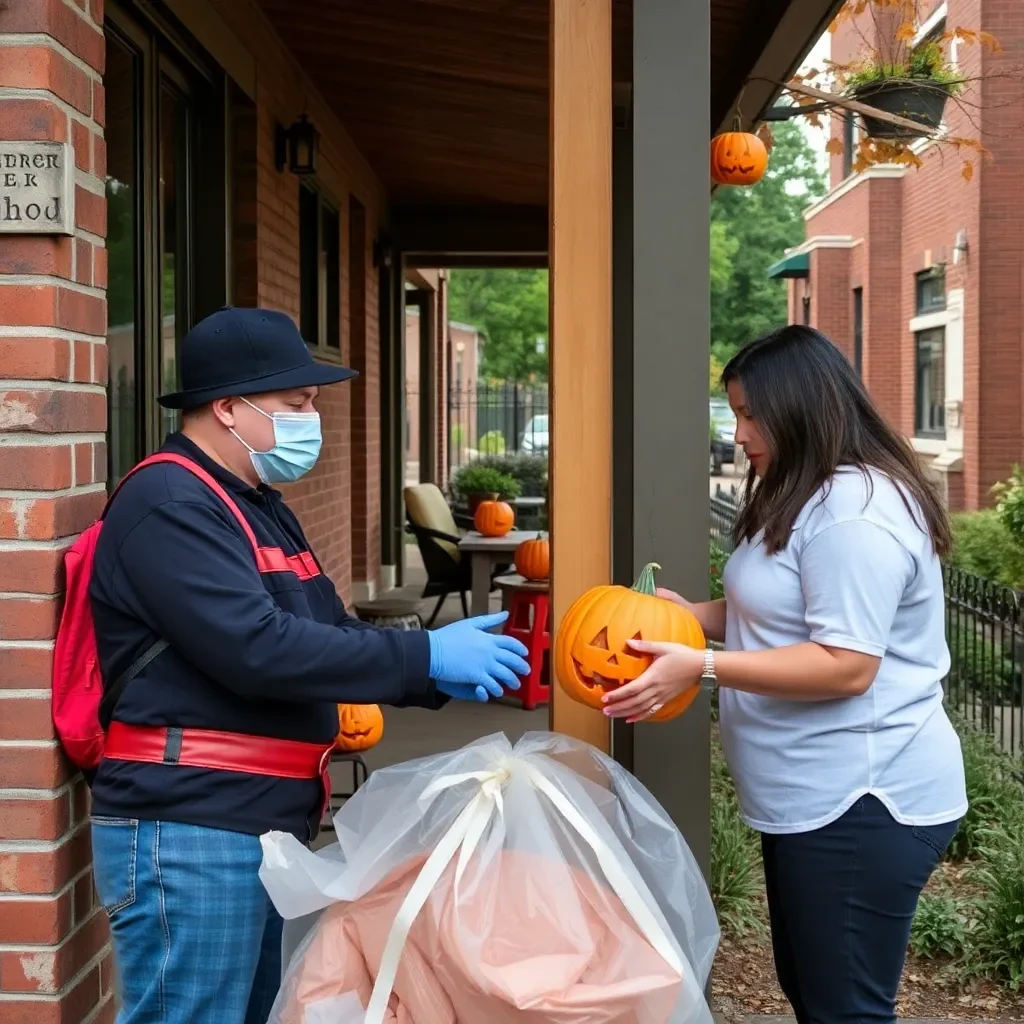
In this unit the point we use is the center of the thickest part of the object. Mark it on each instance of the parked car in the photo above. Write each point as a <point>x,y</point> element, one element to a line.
<point>723,434</point>
<point>535,436</point>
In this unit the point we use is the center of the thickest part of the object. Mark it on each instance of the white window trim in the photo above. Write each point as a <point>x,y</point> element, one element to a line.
<point>928,445</point>
<point>929,321</point>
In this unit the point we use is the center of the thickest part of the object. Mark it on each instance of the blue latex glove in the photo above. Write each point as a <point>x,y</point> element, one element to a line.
<point>468,663</point>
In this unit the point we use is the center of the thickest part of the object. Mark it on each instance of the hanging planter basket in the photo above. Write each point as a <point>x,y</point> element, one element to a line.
<point>922,102</point>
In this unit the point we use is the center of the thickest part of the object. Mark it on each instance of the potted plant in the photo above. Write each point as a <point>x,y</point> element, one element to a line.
<point>916,85</point>
<point>476,483</point>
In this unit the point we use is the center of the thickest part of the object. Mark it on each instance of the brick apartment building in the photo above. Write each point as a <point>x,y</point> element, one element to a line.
<point>917,273</point>
<point>153,166</point>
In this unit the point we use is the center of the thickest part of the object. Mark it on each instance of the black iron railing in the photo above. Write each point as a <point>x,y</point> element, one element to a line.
<point>985,634</point>
<point>497,419</point>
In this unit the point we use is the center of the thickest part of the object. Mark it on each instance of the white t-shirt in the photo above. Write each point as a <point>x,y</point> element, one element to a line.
<point>860,574</point>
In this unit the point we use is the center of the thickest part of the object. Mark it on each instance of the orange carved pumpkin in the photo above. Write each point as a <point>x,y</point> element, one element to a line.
<point>494,518</point>
<point>591,651</point>
<point>738,158</point>
<point>361,726</point>
<point>533,559</point>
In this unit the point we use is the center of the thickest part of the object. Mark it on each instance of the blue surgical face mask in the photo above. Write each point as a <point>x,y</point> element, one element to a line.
<point>297,441</point>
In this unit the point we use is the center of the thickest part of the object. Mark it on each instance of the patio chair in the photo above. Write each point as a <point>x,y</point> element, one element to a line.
<point>431,522</point>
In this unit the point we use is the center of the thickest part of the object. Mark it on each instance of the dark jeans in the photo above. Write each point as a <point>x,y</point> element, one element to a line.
<point>841,900</point>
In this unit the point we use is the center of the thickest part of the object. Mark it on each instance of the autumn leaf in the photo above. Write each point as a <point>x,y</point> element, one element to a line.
<point>967,170</point>
<point>764,133</point>
<point>834,146</point>
<point>906,32</point>
<point>990,42</point>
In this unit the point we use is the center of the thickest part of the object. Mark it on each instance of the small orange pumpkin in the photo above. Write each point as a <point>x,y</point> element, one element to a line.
<point>494,518</point>
<point>738,158</point>
<point>361,726</point>
<point>591,651</point>
<point>533,559</point>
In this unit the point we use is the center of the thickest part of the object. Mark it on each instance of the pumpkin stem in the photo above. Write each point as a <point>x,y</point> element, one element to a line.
<point>645,581</point>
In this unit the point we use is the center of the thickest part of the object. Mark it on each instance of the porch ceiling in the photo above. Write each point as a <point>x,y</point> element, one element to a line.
<point>448,99</point>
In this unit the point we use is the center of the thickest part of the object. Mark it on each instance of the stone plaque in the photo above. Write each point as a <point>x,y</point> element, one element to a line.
<point>37,188</point>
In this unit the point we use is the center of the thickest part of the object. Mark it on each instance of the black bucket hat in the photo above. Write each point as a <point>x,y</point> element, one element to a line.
<point>243,352</point>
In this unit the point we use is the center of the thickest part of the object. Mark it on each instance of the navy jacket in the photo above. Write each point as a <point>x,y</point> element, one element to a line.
<point>267,654</point>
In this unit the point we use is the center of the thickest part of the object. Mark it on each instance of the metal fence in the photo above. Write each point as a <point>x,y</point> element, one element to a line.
<point>496,419</point>
<point>985,634</point>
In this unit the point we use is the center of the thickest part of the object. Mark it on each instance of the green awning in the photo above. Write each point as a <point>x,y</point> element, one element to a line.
<point>797,264</point>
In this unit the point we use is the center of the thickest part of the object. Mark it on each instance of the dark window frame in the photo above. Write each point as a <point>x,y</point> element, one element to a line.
<point>930,422</point>
<point>929,292</point>
<point>166,61</point>
<point>321,304</point>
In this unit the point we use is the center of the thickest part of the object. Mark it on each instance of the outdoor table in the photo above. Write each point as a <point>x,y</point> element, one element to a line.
<point>485,553</point>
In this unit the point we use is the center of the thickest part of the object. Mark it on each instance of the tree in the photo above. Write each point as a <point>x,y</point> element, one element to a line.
<point>510,309</point>
<point>751,228</point>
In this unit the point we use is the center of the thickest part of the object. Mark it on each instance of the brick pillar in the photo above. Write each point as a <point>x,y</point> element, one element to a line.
<point>55,965</point>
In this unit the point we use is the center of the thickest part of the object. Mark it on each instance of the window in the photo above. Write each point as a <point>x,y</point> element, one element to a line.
<point>858,330</point>
<point>930,383</point>
<point>161,108</point>
<point>319,271</point>
<point>807,310</point>
<point>929,292</point>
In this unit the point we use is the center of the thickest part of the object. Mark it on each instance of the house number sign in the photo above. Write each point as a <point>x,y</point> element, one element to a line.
<point>37,188</point>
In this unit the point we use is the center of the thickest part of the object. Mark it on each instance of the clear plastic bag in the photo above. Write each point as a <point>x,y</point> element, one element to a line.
<point>540,883</point>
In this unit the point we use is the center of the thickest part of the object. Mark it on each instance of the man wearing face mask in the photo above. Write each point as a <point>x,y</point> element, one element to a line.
<point>224,651</point>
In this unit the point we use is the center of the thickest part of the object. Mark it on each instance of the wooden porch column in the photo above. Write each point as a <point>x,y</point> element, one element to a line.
<point>581,327</point>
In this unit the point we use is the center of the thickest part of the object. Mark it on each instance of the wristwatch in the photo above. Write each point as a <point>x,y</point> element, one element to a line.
<point>708,677</point>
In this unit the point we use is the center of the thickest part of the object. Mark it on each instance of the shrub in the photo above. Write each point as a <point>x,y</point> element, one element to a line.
<point>530,470</point>
<point>476,478</point>
<point>940,926</point>
<point>983,545</point>
<point>999,938</point>
<point>492,443</point>
<point>994,792</point>
<point>736,876</point>
<point>716,566</point>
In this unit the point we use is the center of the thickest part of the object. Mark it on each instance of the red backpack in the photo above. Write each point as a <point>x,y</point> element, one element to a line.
<point>81,709</point>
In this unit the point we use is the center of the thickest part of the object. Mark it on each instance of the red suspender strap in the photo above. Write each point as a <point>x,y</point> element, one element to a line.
<point>304,565</point>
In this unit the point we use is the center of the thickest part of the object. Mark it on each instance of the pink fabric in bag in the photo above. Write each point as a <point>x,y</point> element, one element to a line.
<point>530,941</point>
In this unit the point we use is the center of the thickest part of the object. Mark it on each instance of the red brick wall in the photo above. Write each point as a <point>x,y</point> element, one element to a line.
<point>54,952</point>
<point>325,501</point>
<point>905,226</point>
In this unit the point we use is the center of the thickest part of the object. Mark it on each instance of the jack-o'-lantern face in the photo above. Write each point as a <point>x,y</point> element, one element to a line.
<point>592,652</point>
<point>738,158</point>
<point>361,726</point>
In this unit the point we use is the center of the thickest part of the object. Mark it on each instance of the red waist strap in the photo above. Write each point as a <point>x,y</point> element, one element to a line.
<point>225,751</point>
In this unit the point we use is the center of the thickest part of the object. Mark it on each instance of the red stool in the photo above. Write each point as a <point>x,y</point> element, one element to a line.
<point>528,622</point>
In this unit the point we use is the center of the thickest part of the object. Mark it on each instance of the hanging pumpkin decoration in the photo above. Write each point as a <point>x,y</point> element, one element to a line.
<point>592,655</point>
<point>533,559</point>
<point>494,518</point>
<point>360,726</point>
<point>738,158</point>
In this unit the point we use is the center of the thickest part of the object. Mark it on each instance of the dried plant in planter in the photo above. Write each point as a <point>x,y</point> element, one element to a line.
<point>900,85</point>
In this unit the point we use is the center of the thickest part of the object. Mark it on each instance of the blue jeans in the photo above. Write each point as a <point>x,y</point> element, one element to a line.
<point>841,901</point>
<point>196,938</point>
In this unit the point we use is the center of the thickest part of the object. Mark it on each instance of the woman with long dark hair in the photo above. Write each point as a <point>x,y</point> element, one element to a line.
<point>830,694</point>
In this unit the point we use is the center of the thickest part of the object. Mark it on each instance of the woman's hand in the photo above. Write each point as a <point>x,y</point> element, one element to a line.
<point>674,670</point>
<point>671,595</point>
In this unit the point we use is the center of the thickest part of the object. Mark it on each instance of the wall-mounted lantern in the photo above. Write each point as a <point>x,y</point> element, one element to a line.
<point>297,147</point>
